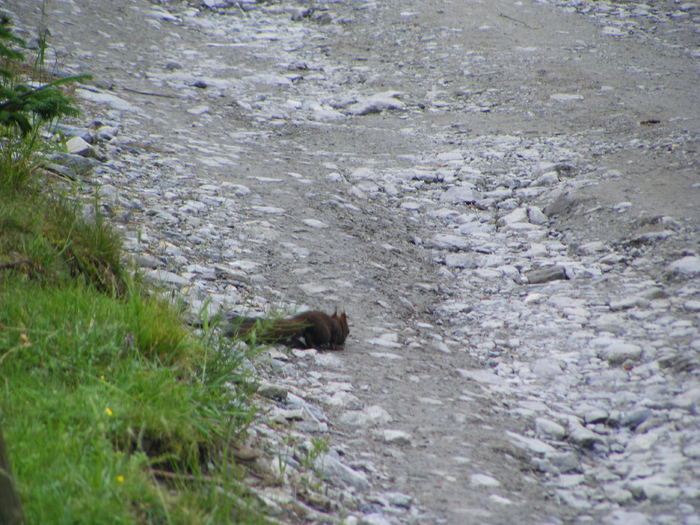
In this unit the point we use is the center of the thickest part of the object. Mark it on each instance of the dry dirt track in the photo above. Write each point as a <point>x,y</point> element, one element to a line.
<point>316,203</point>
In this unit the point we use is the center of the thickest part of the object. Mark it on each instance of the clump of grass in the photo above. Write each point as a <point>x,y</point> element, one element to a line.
<point>51,240</point>
<point>94,414</point>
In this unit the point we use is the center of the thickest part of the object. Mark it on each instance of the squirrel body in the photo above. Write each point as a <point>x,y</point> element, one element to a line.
<point>312,329</point>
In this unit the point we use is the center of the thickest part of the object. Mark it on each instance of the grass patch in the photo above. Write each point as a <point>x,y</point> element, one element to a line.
<point>92,402</point>
<point>111,409</point>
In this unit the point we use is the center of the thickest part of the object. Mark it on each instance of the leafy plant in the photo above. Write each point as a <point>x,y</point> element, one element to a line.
<point>25,106</point>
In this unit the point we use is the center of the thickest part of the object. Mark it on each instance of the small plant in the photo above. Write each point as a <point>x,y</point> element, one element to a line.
<point>319,446</point>
<point>25,106</point>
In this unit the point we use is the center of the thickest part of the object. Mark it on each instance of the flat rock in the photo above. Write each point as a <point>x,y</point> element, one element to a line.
<point>546,274</point>
<point>618,352</point>
<point>373,415</point>
<point>377,103</point>
<point>330,466</point>
<point>686,266</point>
<point>484,480</point>
<point>465,193</point>
<point>164,277</point>
<point>395,437</point>
<point>534,445</point>
<point>548,428</point>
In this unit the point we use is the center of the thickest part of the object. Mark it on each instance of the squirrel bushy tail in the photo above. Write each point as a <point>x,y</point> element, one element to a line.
<point>306,330</point>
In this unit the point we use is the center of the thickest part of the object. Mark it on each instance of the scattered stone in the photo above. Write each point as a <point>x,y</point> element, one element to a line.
<point>272,391</point>
<point>534,445</point>
<point>329,465</point>
<point>395,437</point>
<point>370,416</point>
<point>547,428</point>
<point>687,266</point>
<point>617,352</point>
<point>460,194</point>
<point>545,275</point>
<point>484,480</point>
<point>377,103</point>
<point>166,278</point>
<point>566,97</point>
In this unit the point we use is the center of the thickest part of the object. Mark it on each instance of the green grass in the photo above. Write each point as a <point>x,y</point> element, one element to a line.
<point>112,410</point>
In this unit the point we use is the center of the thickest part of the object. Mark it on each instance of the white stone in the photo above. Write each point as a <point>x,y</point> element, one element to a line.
<point>618,352</point>
<point>592,247</point>
<point>532,444</point>
<point>395,437</point>
<point>105,98</point>
<point>345,400</point>
<point>548,428</point>
<point>165,277</point>
<point>483,480</point>
<point>330,465</point>
<point>566,97</point>
<point>612,31</point>
<point>377,103</point>
<point>460,194</point>
<point>687,266</point>
<point>517,215</point>
<point>536,216</point>
<point>362,174</point>
<point>500,499</point>
<point>314,223</point>
<point>77,146</point>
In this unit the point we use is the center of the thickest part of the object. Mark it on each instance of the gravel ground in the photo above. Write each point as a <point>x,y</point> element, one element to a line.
<point>502,195</point>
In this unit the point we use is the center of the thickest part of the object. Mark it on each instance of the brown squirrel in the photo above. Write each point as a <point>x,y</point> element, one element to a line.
<point>305,330</point>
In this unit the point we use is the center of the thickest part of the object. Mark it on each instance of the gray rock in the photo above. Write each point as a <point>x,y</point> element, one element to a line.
<point>518,215</point>
<point>692,306</point>
<point>636,417</point>
<point>398,499</point>
<point>395,437</point>
<point>465,193</point>
<point>373,415</point>
<point>105,98</point>
<point>329,465</point>
<point>72,131</point>
<point>564,461</point>
<point>548,428</point>
<point>594,415</point>
<point>345,400</point>
<point>628,302</point>
<point>77,164</point>
<point>377,103</point>
<point>618,352</point>
<point>536,216</point>
<point>592,247</point>
<point>446,241</point>
<point>374,518</point>
<point>563,203</point>
<point>546,274</point>
<point>534,445</point>
<point>625,517</point>
<point>460,260</point>
<point>583,437</point>
<point>688,400</point>
<point>164,277</point>
<point>272,391</point>
<point>484,480</point>
<point>687,266</point>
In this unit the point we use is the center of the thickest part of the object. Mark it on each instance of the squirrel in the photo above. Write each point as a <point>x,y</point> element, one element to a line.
<point>305,330</point>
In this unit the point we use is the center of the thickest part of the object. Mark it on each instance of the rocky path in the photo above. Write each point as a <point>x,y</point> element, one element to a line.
<point>502,195</point>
